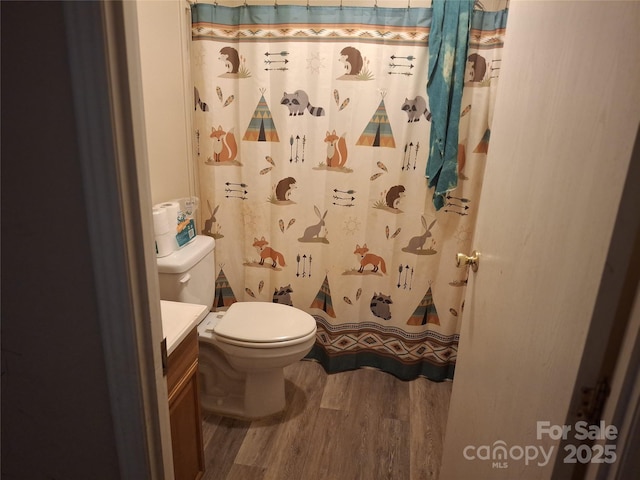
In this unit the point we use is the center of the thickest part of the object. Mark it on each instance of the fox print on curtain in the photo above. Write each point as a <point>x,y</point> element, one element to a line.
<point>311,132</point>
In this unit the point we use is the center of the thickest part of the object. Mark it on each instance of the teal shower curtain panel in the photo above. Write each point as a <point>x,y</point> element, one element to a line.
<point>311,138</point>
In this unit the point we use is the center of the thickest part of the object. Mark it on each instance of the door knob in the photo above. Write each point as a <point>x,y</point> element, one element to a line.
<point>462,259</point>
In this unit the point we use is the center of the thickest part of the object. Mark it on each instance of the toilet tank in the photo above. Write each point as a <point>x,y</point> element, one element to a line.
<point>188,274</point>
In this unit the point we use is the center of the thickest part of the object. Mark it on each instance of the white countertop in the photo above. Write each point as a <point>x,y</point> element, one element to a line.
<point>178,319</point>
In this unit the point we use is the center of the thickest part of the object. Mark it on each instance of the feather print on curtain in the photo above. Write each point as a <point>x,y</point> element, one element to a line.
<point>311,131</point>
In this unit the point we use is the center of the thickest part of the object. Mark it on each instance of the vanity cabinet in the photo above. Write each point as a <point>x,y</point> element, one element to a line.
<point>184,409</point>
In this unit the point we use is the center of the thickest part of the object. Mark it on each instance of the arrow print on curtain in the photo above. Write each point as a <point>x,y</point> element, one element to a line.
<point>300,144</point>
<point>305,262</point>
<point>236,192</point>
<point>405,277</point>
<point>339,197</point>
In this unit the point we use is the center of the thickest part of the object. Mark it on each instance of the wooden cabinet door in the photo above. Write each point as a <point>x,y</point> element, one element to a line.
<point>186,429</point>
<point>184,410</point>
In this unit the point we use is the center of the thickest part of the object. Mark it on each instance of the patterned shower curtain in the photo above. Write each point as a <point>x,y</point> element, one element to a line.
<point>311,132</point>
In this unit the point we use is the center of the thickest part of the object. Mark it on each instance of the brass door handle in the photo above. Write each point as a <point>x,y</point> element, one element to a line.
<point>462,260</point>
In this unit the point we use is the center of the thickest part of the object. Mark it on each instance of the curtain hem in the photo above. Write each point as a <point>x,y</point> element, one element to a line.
<point>403,371</point>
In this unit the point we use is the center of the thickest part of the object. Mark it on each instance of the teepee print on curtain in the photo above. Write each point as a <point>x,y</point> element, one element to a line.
<point>323,299</point>
<point>426,312</point>
<point>313,178</point>
<point>261,127</point>
<point>224,293</point>
<point>378,131</point>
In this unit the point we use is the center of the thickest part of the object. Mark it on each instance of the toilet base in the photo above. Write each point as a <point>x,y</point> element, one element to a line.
<point>264,393</point>
<point>262,396</point>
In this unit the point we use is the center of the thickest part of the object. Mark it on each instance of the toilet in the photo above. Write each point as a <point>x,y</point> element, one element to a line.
<point>244,349</point>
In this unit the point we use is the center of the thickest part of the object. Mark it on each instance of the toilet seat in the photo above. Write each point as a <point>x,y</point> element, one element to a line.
<point>264,325</point>
<point>259,345</point>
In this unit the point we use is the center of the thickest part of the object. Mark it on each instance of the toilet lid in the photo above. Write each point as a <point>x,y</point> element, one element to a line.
<point>260,322</point>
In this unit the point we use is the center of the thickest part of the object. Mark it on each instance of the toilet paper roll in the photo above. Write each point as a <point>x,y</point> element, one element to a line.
<point>160,221</point>
<point>165,244</point>
<point>172,208</point>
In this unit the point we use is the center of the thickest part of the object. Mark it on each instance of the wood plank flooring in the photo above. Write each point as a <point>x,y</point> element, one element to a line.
<point>361,424</point>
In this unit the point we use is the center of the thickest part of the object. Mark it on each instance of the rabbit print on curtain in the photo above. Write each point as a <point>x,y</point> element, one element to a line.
<point>311,133</point>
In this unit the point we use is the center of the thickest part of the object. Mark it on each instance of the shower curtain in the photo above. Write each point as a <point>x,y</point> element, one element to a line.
<point>311,134</point>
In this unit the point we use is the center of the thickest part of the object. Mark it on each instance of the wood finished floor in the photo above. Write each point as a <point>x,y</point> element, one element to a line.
<point>362,424</point>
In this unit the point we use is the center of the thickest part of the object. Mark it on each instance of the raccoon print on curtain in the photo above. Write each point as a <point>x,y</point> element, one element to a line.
<point>311,132</point>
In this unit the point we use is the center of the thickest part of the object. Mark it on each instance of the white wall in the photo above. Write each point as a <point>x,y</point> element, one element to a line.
<point>167,93</point>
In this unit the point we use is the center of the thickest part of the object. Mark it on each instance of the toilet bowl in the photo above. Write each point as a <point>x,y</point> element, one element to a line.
<point>244,350</point>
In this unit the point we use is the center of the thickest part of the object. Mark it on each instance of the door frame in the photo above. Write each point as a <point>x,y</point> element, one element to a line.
<point>107,90</point>
<point>612,348</point>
